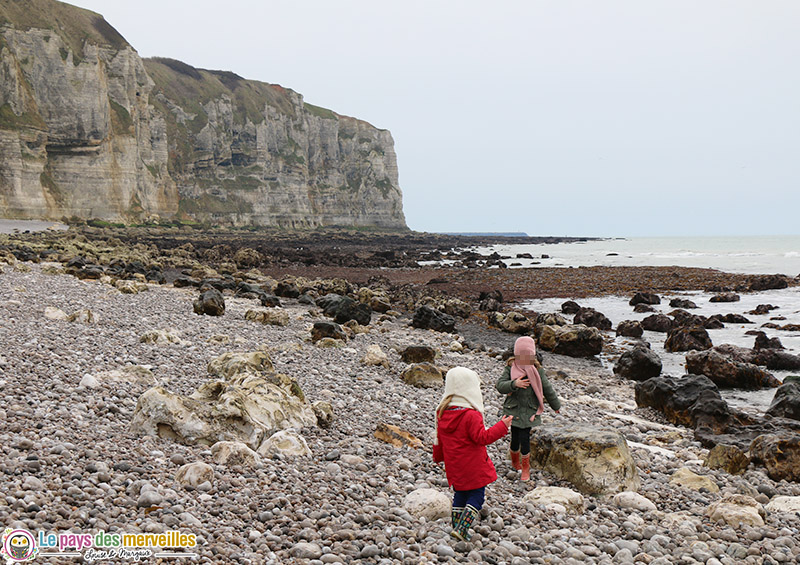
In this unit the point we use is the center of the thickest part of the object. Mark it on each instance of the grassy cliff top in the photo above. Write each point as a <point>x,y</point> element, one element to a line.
<point>189,88</point>
<point>73,25</point>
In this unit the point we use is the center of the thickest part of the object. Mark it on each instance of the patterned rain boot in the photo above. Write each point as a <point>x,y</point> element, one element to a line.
<point>526,468</point>
<point>455,517</point>
<point>467,519</point>
<point>514,455</point>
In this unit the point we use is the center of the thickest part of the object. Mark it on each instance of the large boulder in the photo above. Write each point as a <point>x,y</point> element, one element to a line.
<point>287,443</point>
<point>516,323</point>
<point>638,364</point>
<point>427,503</point>
<point>567,499</point>
<point>418,354</point>
<point>321,330</point>
<point>644,298</point>
<point>768,282</point>
<point>727,373</point>
<point>736,510</point>
<point>595,461</point>
<point>570,307</point>
<point>691,401</point>
<point>572,340</point>
<point>630,328</point>
<point>343,309</point>
<point>786,402</point>
<point>788,504</point>
<point>725,297</point>
<point>249,410</point>
<point>230,364</point>
<point>210,303</point>
<point>426,318</point>
<point>658,323</point>
<point>729,458</point>
<point>268,316</point>
<point>423,375</point>
<point>779,453</point>
<point>687,339</point>
<point>686,478</point>
<point>592,318</point>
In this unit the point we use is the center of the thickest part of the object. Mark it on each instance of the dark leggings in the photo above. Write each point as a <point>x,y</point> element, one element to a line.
<point>521,440</point>
<point>473,497</point>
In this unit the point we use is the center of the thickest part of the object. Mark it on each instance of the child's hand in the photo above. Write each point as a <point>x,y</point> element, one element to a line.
<point>507,420</point>
<point>522,382</point>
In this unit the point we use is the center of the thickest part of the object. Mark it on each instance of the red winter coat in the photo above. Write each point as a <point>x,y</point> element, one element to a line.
<point>462,447</point>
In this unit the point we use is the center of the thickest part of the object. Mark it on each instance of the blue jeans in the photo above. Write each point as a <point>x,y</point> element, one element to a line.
<point>473,497</point>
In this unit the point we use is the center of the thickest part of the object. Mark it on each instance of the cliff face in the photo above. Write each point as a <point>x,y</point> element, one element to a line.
<point>89,129</point>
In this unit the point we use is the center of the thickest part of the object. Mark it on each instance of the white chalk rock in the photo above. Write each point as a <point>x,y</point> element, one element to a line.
<point>52,313</point>
<point>789,504</point>
<point>375,356</point>
<point>234,453</point>
<point>286,442</point>
<point>195,474</point>
<point>572,501</point>
<point>737,510</point>
<point>428,503</point>
<point>634,501</point>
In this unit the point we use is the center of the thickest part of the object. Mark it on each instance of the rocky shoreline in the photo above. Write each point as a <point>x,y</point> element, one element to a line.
<point>73,460</point>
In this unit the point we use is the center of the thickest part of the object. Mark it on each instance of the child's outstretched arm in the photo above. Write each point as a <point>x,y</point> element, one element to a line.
<point>481,435</point>
<point>549,392</point>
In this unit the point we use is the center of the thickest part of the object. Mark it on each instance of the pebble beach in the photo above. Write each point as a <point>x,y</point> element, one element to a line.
<point>71,462</point>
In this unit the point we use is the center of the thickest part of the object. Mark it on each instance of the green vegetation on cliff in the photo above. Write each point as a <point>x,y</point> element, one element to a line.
<point>73,25</point>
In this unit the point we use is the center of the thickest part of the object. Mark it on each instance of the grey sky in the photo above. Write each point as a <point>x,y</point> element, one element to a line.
<point>562,117</point>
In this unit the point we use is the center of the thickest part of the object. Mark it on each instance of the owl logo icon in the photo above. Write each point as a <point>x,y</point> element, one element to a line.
<point>18,546</point>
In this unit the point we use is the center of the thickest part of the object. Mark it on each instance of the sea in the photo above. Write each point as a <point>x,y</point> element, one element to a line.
<point>749,255</point>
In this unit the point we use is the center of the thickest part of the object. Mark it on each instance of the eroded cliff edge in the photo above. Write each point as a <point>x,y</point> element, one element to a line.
<point>89,129</point>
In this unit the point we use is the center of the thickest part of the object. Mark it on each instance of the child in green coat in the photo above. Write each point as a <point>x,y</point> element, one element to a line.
<point>526,386</point>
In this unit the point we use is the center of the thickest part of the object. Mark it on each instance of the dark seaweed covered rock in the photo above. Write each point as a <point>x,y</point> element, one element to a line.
<point>786,402</point>
<point>658,323</point>
<point>644,298</point>
<point>592,318</point>
<point>630,328</point>
<point>682,303</point>
<point>687,339</point>
<point>426,317</point>
<point>727,373</point>
<point>638,364</point>
<point>210,303</point>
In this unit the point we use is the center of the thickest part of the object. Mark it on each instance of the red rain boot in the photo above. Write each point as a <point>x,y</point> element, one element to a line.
<point>515,459</point>
<point>526,468</point>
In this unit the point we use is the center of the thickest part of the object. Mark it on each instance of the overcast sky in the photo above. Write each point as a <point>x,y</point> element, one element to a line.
<point>559,117</point>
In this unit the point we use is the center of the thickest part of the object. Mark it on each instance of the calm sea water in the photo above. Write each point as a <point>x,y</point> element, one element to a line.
<point>750,255</point>
<point>754,254</point>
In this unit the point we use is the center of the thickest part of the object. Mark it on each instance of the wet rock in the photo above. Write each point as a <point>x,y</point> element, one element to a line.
<point>572,501</point>
<point>682,303</point>
<point>630,328</point>
<point>327,330</point>
<point>732,319</point>
<point>423,375</point>
<point>551,319</point>
<point>210,303</point>
<point>269,300</point>
<point>572,340</point>
<point>725,297</point>
<point>762,309</point>
<point>418,354</point>
<point>658,323</point>
<point>768,282</point>
<point>644,298</point>
<point>729,458</point>
<point>737,510</point>
<point>183,281</point>
<point>395,436</point>
<point>786,402</point>
<point>570,307</point>
<point>595,461</point>
<point>287,289</point>
<point>428,503</point>
<point>592,318</point>
<point>726,373</point>
<point>343,309</point>
<point>638,364</point>
<point>764,342</point>
<point>687,339</point>
<point>642,308</point>
<point>779,453</point>
<point>426,317</point>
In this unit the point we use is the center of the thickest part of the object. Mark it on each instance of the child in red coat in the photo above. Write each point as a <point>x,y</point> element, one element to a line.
<point>461,441</point>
